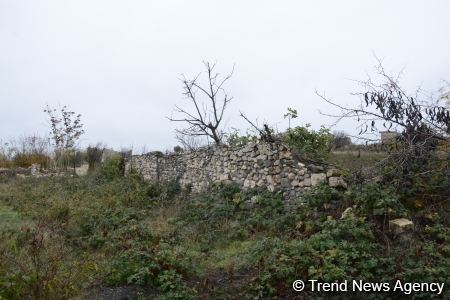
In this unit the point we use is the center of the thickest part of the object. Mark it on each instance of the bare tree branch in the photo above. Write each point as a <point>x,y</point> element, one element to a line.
<point>266,134</point>
<point>204,122</point>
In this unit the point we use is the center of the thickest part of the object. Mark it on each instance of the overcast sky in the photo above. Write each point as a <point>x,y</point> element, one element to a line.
<point>118,63</point>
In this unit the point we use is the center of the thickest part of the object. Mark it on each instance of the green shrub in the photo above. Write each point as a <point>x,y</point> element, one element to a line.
<point>376,200</point>
<point>236,140</point>
<point>308,143</point>
<point>36,264</point>
<point>113,167</point>
<point>341,250</point>
<point>157,266</point>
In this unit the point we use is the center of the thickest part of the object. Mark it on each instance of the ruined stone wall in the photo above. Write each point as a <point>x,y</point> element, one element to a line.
<point>266,165</point>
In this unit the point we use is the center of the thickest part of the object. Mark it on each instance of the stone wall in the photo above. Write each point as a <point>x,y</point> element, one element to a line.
<point>267,165</point>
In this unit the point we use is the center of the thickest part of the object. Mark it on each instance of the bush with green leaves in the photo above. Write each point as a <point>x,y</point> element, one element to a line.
<point>113,167</point>
<point>251,212</point>
<point>340,250</point>
<point>37,264</point>
<point>235,139</point>
<point>308,143</point>
<point>328,247</point>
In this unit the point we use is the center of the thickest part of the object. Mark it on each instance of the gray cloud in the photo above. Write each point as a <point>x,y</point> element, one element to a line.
<point>118,63</point>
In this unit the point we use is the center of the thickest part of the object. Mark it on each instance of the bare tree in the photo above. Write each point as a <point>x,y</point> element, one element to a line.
<point>208,105</point>
<point>386,105</point>
<point>420,118</point>
<point>340,140</point>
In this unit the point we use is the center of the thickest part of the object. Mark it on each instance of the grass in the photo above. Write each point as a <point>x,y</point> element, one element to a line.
<point>9,218</point>
<point>355,160</point>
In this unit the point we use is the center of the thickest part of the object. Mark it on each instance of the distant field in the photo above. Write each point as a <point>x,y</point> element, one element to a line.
<point>354,160</point>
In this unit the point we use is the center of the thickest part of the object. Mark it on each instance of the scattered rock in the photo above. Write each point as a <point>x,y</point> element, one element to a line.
<point>82,170</point>
<point>401,225</point>
<point>34,169</point>
<point>252,203</point>
<point>347,213</point>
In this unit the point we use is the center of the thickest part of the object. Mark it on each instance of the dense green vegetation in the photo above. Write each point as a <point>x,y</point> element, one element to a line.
<point>77,237</point>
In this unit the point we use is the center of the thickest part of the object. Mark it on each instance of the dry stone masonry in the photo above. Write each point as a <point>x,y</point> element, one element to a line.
<point>264,165</point>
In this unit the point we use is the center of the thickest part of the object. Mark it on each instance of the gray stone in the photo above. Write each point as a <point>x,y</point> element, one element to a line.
<point>333,173</point>
<point>82,170</point>
<point>246,183</point>
<point>318,178</point>
<point>286,155</point>
<point>224,177</point>
<point>337,182</point>
<point>267,163</point>
<point>34,169</point>
<point>401,225</point>
<point>285,183</point>
<point>252,203</point>
<point>262,156</point>
<point>347,213</point>
<point>315,168</point>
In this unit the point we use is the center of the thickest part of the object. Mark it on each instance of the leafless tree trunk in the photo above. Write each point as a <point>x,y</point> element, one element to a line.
<point>207,115</point>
